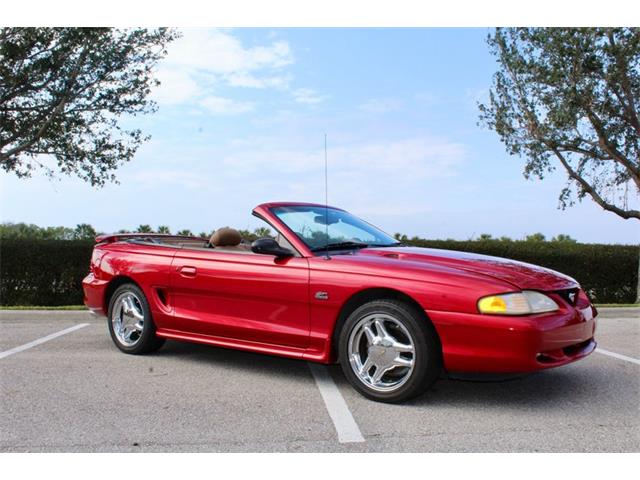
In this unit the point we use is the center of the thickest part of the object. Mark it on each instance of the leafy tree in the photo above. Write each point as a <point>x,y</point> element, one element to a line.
<point>536,237</point>
<point>262,232</point>
<point>163,229</point>
<point>144,229</point>
<point>563,238</point>
<point>31,231</point>
<point>485,236</point>
<point>400,237</point>
<point>63,92</point>
<point>247,235</point>
<point>571,96</point>
<point>186,232</point>
<point>59,233</point>
<point>84,231</point>
<point>20,230</point>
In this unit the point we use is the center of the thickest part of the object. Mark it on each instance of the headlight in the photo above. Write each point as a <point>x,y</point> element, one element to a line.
<point>521,303</point>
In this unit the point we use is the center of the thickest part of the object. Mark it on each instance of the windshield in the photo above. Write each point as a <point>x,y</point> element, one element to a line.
<point>312,224</point>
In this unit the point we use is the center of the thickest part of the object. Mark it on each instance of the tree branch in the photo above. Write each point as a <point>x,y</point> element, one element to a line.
<point>4,156</point>
<point>595,121</point>
<point>629,105</point>
<point>587,188</point>
<point>570,148</point>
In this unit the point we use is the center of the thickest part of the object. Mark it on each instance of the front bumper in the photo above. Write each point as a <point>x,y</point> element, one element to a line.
<point>503,344</point>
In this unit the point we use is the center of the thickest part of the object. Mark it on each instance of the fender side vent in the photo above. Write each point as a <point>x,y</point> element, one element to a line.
<point>162,296</point>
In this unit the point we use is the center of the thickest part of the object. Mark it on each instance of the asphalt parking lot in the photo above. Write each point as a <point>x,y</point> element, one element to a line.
<point>77,392</point>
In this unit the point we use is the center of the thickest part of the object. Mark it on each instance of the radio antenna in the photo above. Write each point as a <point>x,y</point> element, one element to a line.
<point>326,201</point>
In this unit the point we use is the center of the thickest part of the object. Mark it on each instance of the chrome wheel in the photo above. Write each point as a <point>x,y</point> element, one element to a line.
<point>381,352</point>
<point>127,319</point>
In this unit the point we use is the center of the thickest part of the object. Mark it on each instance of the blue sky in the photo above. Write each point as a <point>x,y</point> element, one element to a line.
<point>242,120</point>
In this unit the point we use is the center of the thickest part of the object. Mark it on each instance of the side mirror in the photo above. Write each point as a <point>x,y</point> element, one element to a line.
<point>268,246</point>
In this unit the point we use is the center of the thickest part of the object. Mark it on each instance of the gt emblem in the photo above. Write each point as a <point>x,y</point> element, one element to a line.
<point>322,296</point>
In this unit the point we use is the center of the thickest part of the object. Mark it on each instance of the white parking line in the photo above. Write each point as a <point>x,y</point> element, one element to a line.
<point>346,426</point>
<point>39,341</point>
<point>618,356</point>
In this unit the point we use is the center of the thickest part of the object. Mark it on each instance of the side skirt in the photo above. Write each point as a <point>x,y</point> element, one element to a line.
<point>269,349</point>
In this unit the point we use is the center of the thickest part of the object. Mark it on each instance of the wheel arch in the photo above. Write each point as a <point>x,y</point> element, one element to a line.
<point>367,295</point>
<point>113,285</point>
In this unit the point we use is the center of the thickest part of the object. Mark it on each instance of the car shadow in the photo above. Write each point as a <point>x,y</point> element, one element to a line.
<point>236,360</point>
<point>570,386</point>
<point>536,390</point>
<point>574,384</point>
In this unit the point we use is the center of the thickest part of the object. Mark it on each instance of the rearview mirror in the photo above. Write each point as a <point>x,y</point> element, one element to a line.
<point>328,218</point>
<point>268,246</point>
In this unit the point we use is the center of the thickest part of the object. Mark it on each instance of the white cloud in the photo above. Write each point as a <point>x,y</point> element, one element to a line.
<point>308,96</point>
<point>203,60</point>
<point>225,106</point>
<point>406,160</point>
<point>220,52</point>
<point>177,86</point>
<point>421,157</point>
<point>245,79</point>
<point>392,176</point>
<point>162,178</point>
<point>381,105</point>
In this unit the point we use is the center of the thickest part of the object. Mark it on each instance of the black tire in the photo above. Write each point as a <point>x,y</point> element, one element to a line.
<point>147,341</point>
<point>427,353</point>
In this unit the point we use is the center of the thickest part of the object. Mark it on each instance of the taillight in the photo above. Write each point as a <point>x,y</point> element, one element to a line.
<point>96,258</point>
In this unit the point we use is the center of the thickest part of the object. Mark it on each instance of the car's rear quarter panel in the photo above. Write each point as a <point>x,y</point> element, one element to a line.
<point>146,266</point>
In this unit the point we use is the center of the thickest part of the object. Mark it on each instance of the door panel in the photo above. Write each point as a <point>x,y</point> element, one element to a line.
<point>242,296</point>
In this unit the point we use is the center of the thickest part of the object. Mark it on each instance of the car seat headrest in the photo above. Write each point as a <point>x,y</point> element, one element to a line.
<point>225,237</point>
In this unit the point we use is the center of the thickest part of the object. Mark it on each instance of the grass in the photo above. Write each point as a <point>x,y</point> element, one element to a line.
<point>617,305</point>
<point>32,307</point>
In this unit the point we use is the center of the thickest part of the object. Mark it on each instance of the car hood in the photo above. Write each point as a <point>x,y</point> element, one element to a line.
<point>521,275</point>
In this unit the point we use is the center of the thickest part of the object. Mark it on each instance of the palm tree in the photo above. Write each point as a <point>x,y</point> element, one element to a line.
<point>261,232</point>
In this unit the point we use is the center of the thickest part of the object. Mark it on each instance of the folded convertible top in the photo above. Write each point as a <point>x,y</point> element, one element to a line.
<point>116,237</point>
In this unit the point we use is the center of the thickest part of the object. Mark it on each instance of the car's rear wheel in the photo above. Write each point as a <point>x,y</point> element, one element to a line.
<point>389,351</point>
<point>130,322</point>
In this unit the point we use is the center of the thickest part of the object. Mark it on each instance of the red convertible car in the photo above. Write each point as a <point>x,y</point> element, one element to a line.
<point>330,287</point>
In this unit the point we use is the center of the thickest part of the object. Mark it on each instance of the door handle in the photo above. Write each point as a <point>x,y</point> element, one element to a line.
<point>187,271</point>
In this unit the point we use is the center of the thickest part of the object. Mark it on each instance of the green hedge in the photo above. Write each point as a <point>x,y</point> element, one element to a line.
<point>50,272</point>
<point>43,272</point>
<point>609,273</point>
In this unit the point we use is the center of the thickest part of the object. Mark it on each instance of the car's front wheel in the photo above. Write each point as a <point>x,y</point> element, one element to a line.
<point>130,323</point>
<point>389,352</point>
